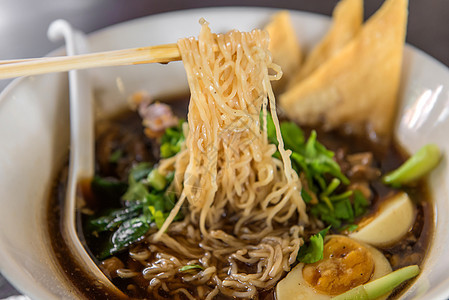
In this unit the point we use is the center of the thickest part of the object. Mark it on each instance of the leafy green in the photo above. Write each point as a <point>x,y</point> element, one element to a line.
<point>191,267</point>
<point>137,190</point>
<point>129,232</point>
<point>312,251</point>
<point>172,140</point>
<point>306,196</point>
<point>343,210</point>
<point>157,207</point>
<point>115,156</point>
<point>350,227</point>
<point>147,203</point>
<point>114,218</point>
<point>321,160</point>
<point>336,205</point>
<point>325,214</point>
<point>361,204</point>
<point>309,156</point>
<point>139,172</point>
<point>156,180</point>
<point>292,135</point>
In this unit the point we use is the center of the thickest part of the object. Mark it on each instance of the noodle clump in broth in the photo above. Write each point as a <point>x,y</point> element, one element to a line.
<point>215,207</point>
<point>243,209</point>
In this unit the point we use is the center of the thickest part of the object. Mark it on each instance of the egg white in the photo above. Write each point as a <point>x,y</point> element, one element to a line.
<point>295,287</point>
<point>391,222</point>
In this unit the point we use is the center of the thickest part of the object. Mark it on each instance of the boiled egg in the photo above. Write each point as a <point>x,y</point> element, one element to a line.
<point>394,218</point>
<point>347,263</point>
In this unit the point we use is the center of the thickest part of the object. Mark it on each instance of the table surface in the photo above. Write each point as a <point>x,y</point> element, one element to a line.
<point>23,26</point>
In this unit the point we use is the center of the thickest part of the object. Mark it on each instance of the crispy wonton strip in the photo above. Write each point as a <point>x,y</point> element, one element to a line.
<point>347,22</point>
<point>284,46</point>
<point>358,87</point>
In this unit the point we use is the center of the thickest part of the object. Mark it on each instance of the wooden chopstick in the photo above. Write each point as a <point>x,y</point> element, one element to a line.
<point>143,55</point>
<point>14,61</point>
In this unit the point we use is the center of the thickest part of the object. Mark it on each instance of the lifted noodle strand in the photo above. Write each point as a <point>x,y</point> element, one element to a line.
<point>227,172</point>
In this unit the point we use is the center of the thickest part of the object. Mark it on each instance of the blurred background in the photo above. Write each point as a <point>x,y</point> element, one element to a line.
<point>24,23</point>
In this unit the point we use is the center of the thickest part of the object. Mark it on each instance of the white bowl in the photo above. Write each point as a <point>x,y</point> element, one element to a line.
<point>34,134</point>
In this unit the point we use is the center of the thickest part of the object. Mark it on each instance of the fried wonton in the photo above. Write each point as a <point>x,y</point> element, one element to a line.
<point>284,46</point>
<point>347,22</point>
<point>357,88</point>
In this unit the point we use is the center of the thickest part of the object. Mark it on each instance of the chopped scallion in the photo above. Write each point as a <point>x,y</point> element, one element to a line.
<point>417,166</point>
<point>381,286</point>
<point>156,180</point>
<point>190,267</point>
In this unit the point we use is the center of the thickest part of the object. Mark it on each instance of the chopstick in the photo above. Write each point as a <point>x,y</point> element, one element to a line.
<point>142,55</point>
<point>13,61</point>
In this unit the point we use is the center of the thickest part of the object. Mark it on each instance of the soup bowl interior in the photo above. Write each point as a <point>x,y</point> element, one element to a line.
<point>34,135</point>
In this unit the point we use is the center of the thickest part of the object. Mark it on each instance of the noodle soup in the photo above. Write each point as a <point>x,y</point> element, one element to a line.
<point>125,133</point>
<point>228,200</point>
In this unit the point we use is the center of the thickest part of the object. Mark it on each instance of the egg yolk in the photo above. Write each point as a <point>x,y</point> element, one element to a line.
<point>345,265</point>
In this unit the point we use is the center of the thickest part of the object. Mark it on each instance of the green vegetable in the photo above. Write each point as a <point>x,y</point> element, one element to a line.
<point>322,160</point>
<point>361,204</point>
<point>157,207</point>
<point>337,206</point>
<point>325,214</point>
<point>140,171</point>
<point>306,196</point>
<point>292,135</point>
<point>191,267</point>
<point>417,166</point>
<point>128,233</point>
<point>115,156</point>
<point>350,227</point>
<point>172,140</point>
<point>343,210</point>
<point>331,187</point>
<point>147,202</point>
<point>159,218</point>
<point>342,196</point>
<point>379,287</point>
<point>114,218</point>
<point>137,190</point>
<point>156,180</point>
<point>271,130</point>
<point>313,250</point>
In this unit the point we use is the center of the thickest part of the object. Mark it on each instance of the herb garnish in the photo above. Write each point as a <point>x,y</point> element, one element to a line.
<point>147,202</point>
<point>336,206</point>
<point>312,251</point>
<point>172,140</point>
<point>190,268</point>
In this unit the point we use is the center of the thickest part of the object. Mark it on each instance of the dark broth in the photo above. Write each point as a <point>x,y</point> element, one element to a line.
<point>125,132</point>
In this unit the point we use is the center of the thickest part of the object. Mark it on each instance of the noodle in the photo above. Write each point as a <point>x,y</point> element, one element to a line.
<point>243,206</point>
